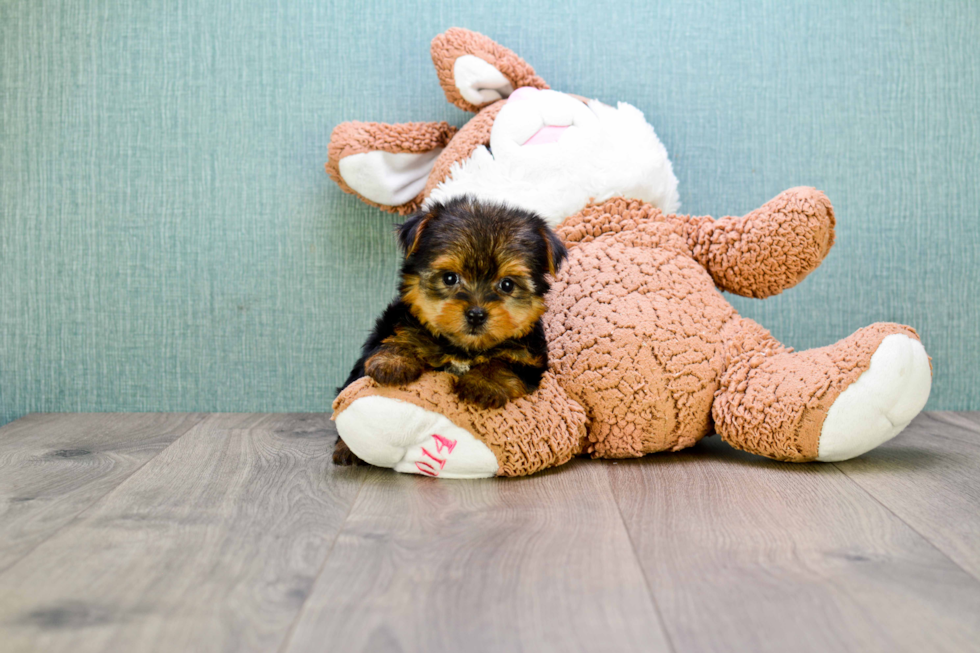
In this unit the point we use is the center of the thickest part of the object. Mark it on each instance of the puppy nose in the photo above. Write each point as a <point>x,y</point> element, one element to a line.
<point>476,316</point>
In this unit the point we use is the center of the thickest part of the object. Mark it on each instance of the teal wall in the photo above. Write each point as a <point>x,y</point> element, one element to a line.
<point>169,240</point>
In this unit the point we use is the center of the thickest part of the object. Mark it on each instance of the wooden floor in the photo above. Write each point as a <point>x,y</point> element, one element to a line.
<point>184,532</point>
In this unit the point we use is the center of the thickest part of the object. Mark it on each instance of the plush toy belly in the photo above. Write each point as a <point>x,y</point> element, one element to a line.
<point>663,315</point>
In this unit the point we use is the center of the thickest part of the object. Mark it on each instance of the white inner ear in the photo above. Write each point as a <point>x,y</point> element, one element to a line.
<point>386,178</point>
<point>478,81</point>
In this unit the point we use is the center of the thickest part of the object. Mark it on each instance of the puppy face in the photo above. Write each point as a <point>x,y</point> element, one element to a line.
<point>475,272</point>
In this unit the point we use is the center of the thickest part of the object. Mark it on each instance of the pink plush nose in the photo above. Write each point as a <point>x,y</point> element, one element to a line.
<point>523,93</point>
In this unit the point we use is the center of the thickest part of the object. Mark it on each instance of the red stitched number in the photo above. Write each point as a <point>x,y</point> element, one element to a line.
<point>425,466</point>
<point>443,443</point>
<point>441,461</point>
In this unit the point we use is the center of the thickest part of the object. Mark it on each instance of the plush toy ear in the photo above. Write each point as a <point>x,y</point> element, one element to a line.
<point>410,231</point>
<point>386,165</point>
<point>556,250</point>
<point>475,71</point>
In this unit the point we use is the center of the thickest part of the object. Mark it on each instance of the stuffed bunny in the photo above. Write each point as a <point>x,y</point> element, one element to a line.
<point>646,354</point>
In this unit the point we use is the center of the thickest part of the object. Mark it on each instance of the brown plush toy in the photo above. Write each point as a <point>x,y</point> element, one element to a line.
<point>646,354</point>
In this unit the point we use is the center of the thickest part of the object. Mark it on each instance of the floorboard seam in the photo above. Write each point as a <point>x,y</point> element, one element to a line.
<point>911,527</point>
<point>636,556</point>
<point>81,512</point>
<point>287,641</point>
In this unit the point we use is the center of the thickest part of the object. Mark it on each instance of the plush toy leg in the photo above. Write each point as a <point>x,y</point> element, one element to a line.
<point>827,404</point>
<point>424,428</point>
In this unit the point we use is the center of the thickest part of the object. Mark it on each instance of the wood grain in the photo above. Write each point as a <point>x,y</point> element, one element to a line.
<point>537,564</point>
<point>742,553</point>
<point>54,466</point>
<point>929,476</point>
<point>964,425</point>
<point>213,545</point>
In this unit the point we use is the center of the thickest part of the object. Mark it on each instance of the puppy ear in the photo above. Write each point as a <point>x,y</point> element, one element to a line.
<point>555,250</point>
<point>410,231</point>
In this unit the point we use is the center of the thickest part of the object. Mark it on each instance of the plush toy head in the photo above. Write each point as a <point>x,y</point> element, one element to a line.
<point>528,146</point>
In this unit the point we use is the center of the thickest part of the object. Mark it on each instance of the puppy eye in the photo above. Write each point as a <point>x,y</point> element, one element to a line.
<point>506,286</point>
<point>450,278</point>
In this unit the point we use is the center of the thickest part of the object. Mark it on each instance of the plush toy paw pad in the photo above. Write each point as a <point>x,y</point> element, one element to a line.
<point>882,402</point>
<point>390,433</point>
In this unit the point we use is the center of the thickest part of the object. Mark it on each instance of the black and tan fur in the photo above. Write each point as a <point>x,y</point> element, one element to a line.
<point>470,301</point>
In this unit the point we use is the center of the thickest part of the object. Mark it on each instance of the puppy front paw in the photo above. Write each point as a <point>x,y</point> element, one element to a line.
<point>390,368</point>
<point>481,391</point>
<point>342,455</point>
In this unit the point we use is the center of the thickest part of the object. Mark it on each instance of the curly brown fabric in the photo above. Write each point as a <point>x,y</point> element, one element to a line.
<point>349,138</point>
<point>613,216</point>
<point>633,330</point>
<point>770,249</point>
<point>456,42</point>
<point>648,356</point>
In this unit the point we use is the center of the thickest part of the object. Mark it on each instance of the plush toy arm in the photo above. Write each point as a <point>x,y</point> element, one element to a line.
<point>475,71</point>
<point>768,250</point>
<point>386,165</point>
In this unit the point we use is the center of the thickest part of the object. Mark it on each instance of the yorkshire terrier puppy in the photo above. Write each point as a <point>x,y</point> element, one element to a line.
<point>470,301</point>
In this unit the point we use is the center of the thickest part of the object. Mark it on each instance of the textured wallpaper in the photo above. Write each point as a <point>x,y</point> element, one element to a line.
<point>169,240</point>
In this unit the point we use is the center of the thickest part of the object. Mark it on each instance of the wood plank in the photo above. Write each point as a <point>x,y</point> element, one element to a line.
<point>54,466</point>
<point>743,553</point>
<point>537,564</point>
<point>963,425</point>
<point>212,545</point>
<point>930,477</point>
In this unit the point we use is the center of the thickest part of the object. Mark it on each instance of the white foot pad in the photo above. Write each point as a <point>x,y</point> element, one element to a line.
<point>881,403</point>
<point>409,439</point>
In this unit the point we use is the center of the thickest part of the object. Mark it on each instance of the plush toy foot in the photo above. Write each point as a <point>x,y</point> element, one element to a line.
<point>391,433</point>
<point>882,402</point>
